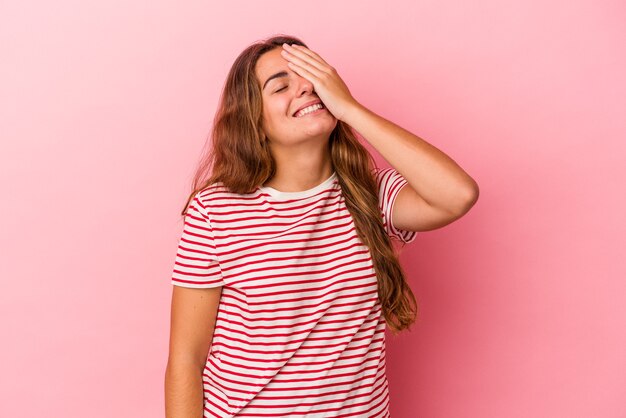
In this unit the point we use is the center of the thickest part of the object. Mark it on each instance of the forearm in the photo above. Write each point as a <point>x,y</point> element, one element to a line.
<point>436,177</point>
<point>183,391</point>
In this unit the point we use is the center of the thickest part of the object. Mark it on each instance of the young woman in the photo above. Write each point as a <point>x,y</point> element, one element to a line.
<point>286,276</point>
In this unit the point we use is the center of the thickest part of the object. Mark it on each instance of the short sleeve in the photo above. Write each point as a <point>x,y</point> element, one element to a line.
<point>390,182</point>
<point>196,264</point>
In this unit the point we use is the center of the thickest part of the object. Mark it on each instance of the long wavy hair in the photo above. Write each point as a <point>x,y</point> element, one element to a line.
<point>240,158</point>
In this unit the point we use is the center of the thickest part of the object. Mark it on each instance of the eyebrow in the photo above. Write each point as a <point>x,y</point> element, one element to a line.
<point>280,74</point>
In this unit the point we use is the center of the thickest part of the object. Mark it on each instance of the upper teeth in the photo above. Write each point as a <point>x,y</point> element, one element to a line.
<point>309,109</point>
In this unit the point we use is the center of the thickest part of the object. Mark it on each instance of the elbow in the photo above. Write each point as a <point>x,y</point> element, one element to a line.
<point>472,194</point>
<point>466,200</point>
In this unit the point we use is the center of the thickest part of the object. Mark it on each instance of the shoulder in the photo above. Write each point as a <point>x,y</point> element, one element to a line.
<point>213,191</point>
<point>384,172</point>
<point>388,180</point>
<point>217,197</point>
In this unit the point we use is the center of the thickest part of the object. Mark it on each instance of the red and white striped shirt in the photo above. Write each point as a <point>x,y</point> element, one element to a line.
<point>299,330</point>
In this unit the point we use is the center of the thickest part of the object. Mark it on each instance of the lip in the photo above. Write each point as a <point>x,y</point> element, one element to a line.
<point>307,105</point>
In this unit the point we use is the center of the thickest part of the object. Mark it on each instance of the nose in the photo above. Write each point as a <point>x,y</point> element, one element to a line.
<point>304,85</point>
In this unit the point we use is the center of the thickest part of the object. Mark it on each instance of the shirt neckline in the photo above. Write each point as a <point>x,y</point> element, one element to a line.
<point>277,194</point>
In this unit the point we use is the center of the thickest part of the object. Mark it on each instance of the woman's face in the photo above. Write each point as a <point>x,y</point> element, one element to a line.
<point>282,96</point>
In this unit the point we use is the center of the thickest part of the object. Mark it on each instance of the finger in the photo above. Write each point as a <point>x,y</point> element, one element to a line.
<point>302,63</point>
<point>303,57</point>
<point>306,57</point>
<point>302,72</point>
<point>310,53</point>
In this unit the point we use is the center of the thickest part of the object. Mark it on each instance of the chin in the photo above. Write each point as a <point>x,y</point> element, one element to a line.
<point>324,128</point>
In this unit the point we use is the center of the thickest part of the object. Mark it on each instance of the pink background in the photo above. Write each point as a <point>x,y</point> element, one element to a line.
<point>104,111</point>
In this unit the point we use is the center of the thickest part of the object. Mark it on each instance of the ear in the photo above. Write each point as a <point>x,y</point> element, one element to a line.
<point>263,137</point>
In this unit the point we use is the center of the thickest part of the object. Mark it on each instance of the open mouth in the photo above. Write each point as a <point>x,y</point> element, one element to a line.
<point>315,108</point>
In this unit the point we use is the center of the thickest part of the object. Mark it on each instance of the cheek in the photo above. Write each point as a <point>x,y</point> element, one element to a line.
<point>276,111</point>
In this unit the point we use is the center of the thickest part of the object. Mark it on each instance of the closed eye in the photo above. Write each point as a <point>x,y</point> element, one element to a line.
<point>280,89</point>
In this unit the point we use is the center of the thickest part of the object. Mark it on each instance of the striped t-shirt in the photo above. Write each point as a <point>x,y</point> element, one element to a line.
<point>299,330</point>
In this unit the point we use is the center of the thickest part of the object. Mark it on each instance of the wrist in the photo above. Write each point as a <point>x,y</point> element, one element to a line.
<point>352,113</point>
